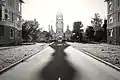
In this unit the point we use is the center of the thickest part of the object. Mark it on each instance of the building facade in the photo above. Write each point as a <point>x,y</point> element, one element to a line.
<point>59,25</point>
<point>10,21</point>
<point>113,24</point>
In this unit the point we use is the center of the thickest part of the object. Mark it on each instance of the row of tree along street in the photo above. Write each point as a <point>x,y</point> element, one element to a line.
<point>95,33</point>
<point>32,33</point>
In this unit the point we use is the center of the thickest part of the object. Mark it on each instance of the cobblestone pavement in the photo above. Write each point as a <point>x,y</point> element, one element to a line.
<point>109,53</point>
<point>11,55</point>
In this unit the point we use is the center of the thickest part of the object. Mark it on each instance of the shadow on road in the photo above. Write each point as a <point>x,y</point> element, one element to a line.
<point>59,68</point>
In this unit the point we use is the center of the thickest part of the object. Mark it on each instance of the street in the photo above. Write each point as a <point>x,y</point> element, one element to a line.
<point>61,62</point>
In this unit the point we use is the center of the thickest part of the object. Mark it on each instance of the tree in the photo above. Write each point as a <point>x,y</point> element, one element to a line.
<point>90,33</point>
<point>76,33</point>
<point>48,36</point>
<point>105,30</point>
<point>25,31</point>
<point>29,30</point>
<point>99,34</point>
<point>96,22</point>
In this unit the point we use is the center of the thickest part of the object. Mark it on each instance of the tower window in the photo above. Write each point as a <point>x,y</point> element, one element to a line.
<point>62,22</point>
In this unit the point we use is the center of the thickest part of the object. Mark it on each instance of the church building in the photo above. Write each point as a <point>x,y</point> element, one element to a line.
<point>59,29</point>
<point>59,26</point>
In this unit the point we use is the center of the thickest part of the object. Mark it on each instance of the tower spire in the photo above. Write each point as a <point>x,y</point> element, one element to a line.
<point>68,27</point>
<point>49,28</point>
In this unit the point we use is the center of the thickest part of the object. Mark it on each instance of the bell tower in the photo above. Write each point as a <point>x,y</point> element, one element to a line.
<point>59,25</point>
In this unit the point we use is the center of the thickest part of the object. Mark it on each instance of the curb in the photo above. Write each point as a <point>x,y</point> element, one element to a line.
<point>4,48</point>
<point>103,61</point>
<point>19,61</point>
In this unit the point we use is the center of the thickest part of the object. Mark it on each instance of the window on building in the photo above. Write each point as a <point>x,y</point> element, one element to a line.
<point>11,3</point>
<point>6,17</point>
<point>18,19</point>
<point>6,14</point>
<point>118,16</point>
<point>9,19</point>
<point>0,12</point>
<point>19,6</point>
<point>118,3</point>
<point>119,30</point>
<point>111,32</point>
<point>12,17</point>
<point>8,2</point>
<point>18,22</point>
<point>1,31</point>
<point>110,19</point>
<point>110,6</point>
<point>11,33</point>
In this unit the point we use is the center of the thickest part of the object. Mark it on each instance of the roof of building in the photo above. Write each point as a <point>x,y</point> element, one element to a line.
<point>68,31</point>
<point>52,31</point>
<point>22,1</point>
<point>106,0</point>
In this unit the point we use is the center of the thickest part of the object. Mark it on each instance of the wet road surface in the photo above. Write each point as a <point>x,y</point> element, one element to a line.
<point>61,62</point>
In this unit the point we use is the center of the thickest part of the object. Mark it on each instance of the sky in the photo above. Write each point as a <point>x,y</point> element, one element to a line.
<point>73,10</point>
